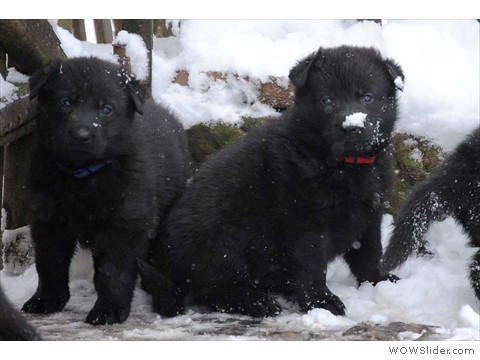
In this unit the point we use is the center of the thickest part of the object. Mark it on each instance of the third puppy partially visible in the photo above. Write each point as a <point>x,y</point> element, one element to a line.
<point>452,189</point>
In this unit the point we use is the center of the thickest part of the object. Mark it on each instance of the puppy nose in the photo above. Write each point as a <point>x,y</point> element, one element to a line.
<point>353,130</point>
<point>82,134</point>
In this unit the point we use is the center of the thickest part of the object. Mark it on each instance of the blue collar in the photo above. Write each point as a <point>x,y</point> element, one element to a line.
<point>84,172</point>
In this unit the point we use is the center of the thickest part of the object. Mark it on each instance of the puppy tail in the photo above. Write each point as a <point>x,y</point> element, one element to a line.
<point>475,274</point>
<point>167,298</point>
<point>424,205</point>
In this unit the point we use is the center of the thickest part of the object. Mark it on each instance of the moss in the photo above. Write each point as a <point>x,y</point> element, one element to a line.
<point>248,123</point>
<point>415,158</point>
<point>206,138</point>
<point>226,132</point>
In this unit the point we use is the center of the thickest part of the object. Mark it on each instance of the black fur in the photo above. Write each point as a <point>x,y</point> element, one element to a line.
<point>12,325</point>
<point>267,213</point>
<point>453,189</point>
<point>103,177</point>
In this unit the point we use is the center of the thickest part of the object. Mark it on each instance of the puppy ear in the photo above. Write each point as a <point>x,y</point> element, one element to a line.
<point>137,95</point>
<point>298,74</point>
<point>39,78</point>
<point>136,92</point>
<point>396,73</point>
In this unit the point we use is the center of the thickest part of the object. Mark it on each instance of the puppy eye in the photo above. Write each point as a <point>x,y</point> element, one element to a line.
<point>65,102</point>
<point>106,110</point>
<point>327,100</point>
<point>367,98</point>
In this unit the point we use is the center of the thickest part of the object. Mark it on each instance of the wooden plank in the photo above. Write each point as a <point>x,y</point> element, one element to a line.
<point>3,63</point>
<point>16,189</point>
<point>144,28</point>
<point>1,201</point>
<point>79,32</point>
<point>67,24</point>
<point>14,116</point>
<point>29,43</point>
<point>103,30</point>
<point>161,29</point>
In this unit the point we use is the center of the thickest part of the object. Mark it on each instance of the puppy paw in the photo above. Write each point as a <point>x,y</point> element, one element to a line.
<point>40,305</point>
<point>328,302</point>
<point>265,307</point>
<point>391,277</point>
<point>375,280</point>
<point>107,316</point>
<point>168,309</point>
<point>247,302</point>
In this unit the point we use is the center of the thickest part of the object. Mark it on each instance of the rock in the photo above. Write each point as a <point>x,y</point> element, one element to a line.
<point>277,93</point>
<point>393,331</point>
<point>181,78</point>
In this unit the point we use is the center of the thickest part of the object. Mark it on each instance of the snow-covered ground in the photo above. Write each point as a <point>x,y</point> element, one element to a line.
<point>440,101</point>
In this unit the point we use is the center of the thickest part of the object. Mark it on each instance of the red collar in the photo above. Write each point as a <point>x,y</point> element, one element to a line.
<point>357,160</point>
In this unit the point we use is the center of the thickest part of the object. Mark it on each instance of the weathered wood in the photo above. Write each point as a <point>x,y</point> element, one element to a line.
<point>103,31</point>
<point>161,29</point>
<point>144,28</point>
<point>66,24</point>
<point>18,133</point>
<point>13,116</point>
<point>78,27</point>
<point>117,26</point>
<point>29,43</point>
<point>3,63</point>
<point>1,201</point>
<point>16,190</point>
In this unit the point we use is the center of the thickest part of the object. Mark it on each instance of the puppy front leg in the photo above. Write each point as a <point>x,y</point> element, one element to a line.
<point>54,248</point>
<point>308,276</point>
<point>115,263</point>
<point>364,256</point>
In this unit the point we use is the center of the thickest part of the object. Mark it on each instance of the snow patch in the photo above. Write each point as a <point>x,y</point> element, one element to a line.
<point>322,318</point>
<point>16,76</point>
<point>470,317</point>
<point>416,154</point>
<point>7,92</point>
<point>136,51</point>
<point>17,250</point>
<point>398,83</point>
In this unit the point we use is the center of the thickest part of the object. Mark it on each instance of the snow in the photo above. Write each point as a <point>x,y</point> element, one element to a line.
<point>440,101</point>
<point>15,76</point>
<point>17,243</point>
<point>356,119</point>
<point>416,154</point>
<point>7,92</point>
<point>136,50</point>
<point>398,83</point>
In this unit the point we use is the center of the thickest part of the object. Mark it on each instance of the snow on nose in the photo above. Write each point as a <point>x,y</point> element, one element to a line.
<point>355,120</point>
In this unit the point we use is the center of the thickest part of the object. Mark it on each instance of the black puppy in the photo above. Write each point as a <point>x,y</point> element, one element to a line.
<point>12,325</point>
<point>453,189</point>
<point>267,213</point>
<point>103,177</point>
